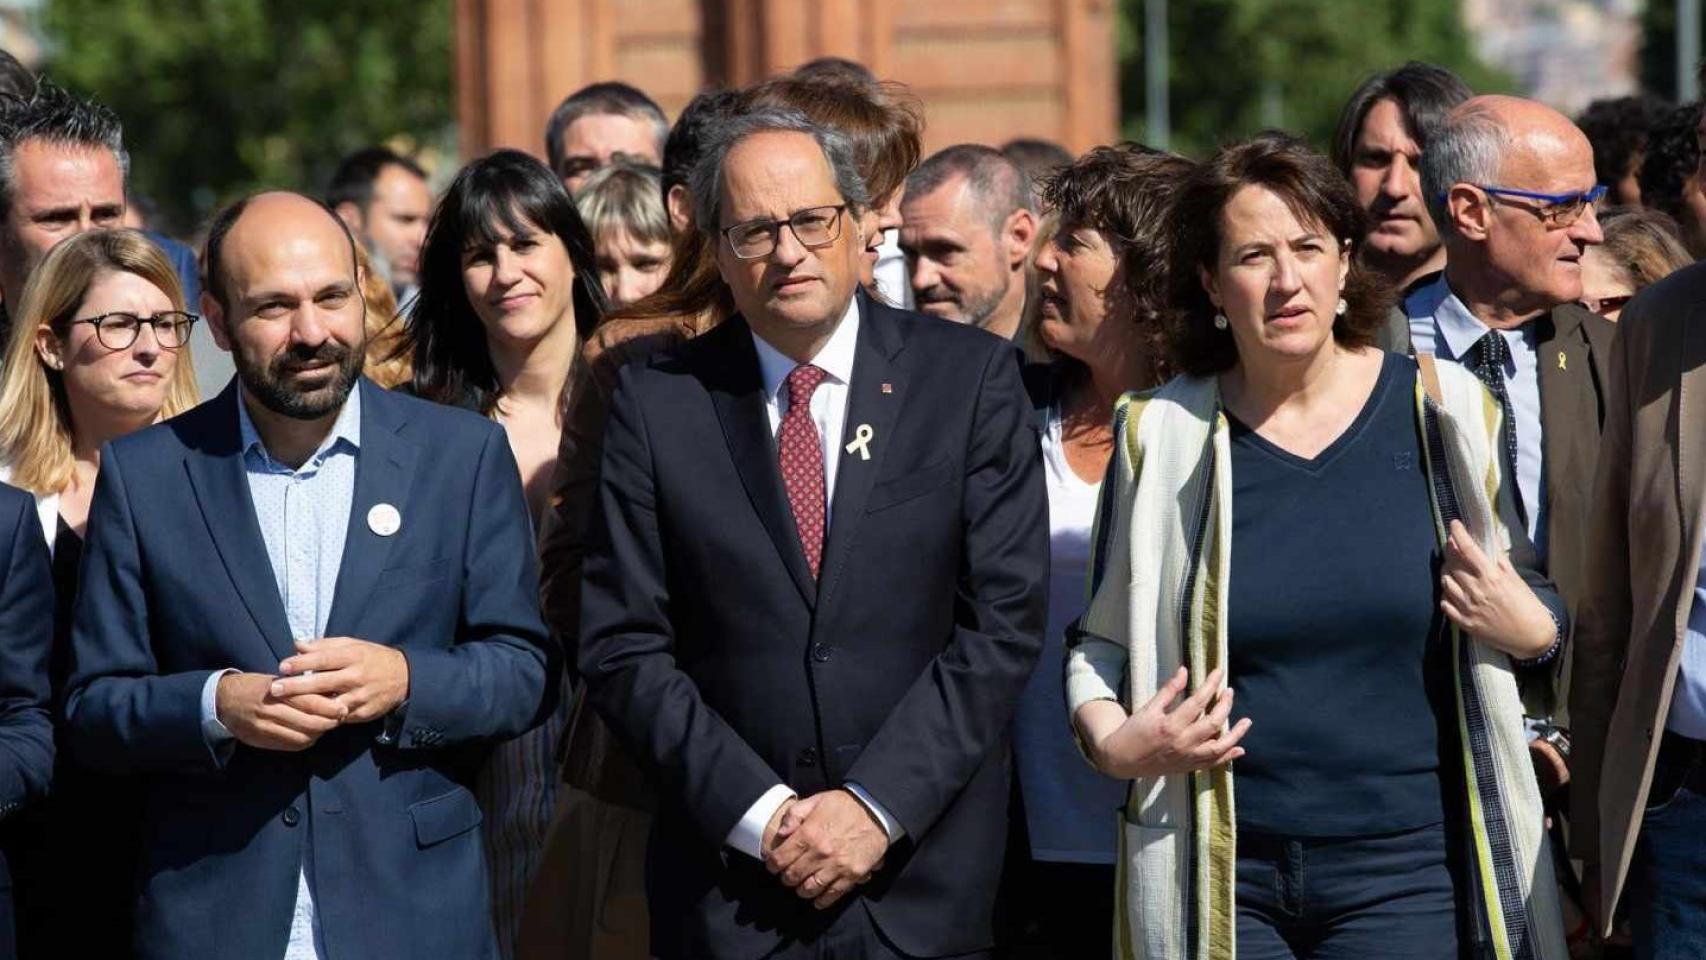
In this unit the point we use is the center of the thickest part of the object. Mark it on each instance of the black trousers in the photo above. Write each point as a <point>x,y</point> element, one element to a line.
<point>851,937</point>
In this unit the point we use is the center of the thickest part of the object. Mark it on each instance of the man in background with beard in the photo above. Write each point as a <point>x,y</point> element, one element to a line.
<point>304,625</point>
<point>968,221</point>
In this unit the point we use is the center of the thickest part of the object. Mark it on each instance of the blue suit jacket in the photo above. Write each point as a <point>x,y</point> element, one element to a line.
<point>177,584</point>
<point>26,636</point>
<point>726,667</point>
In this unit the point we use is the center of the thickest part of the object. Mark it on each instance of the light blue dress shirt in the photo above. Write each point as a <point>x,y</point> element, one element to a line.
<point>1688,702</point>
<point>304,515</point>
<point>1440,324</point>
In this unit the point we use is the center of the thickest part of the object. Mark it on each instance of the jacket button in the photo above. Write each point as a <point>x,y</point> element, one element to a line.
<point>292,816</point>
<point>821,652</point>
<point>808,757</point>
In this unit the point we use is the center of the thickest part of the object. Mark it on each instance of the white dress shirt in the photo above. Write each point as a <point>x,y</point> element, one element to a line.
<point>829,416</point>
<point>1442,325</point>
<point>892,274</point>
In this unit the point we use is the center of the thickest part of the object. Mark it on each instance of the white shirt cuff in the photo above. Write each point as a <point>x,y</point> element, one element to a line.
<point>748,834</point>
<point>890,827</point>
<point>218,738</point>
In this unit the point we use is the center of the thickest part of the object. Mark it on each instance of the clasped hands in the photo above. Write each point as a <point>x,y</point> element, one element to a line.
<point>328,683</point>
<point>824,845</point>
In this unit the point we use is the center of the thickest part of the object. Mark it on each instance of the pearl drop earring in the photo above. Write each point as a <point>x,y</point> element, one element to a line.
<point>1220,321</point>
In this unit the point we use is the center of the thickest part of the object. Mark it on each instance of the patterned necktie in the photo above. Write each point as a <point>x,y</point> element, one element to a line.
<point>801,458</point>
<point>1491,352</point>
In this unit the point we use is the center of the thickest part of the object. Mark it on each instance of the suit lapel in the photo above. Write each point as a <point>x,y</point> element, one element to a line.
<point>383,467</point>
<point>221,486</point>
<point>1562,354</point>
<point>873,400</point>
<point>737,393</point>
<point>1691,413</point>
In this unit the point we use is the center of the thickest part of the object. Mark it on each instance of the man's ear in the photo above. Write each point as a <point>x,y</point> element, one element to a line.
<point>351,215</point>
<point>1470,212</point>
<point>680,204</point>
<point>1020,232</point>
<point>215,316</point>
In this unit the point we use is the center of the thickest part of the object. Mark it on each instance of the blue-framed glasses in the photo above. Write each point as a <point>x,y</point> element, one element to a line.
<point>1556,210</point>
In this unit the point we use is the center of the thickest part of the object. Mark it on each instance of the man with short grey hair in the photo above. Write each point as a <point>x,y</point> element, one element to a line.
<point>600,122</point>
<point>815,589</point>
<point>968,223</point>
<point>62,170</point>
<point>1510,184</point>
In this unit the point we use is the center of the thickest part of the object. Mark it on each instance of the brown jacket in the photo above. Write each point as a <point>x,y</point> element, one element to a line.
<point>592,760</point>
<point>1643,550</point>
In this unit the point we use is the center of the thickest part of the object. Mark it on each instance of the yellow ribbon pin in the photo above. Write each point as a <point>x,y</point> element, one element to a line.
<point>1563,359</point>
<point>861,444</point>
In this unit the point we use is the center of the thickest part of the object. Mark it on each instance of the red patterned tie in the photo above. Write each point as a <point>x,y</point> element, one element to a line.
<point>802,461</point>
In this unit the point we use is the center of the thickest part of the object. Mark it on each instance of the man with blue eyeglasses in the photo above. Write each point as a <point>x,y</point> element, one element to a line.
<point>1510,184</point>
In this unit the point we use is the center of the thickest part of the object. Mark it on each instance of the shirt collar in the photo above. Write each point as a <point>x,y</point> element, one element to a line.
<point>346,429</point>
<point>1458,327</point>
<point>835,358</point>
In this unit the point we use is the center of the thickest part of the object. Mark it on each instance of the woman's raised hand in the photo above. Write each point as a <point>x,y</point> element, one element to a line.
<point>1485,596</point>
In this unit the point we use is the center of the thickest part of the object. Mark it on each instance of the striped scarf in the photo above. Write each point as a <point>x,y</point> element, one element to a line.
<point>1159,576</point>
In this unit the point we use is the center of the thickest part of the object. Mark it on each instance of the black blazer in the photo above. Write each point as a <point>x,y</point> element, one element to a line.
<point>177,584</point>
<point>726,668</point>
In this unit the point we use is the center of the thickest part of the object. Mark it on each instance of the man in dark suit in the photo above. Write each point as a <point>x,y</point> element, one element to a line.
<point>307,606</point>
<point>816,586</point>
<point>26,636</point>
<point>1510,184</point>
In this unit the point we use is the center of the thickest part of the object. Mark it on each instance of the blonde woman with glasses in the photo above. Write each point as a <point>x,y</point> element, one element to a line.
<point>98,348</point>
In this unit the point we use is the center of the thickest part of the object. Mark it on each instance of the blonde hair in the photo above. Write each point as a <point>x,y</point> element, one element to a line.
<point>36,431</point>
<point>388,362</point>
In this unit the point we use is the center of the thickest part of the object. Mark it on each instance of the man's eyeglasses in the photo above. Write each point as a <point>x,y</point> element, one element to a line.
<point>1556,210</point>
<point>813,227</point>
<point>117,331</point>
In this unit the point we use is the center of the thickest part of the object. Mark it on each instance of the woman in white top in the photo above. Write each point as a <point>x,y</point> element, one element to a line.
<point>98,347</point>
<point>1099,282</point>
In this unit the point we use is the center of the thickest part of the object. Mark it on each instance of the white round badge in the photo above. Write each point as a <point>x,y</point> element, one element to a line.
<point>384,519</point>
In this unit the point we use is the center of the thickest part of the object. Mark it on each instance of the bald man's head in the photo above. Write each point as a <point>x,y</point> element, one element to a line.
<point>274,211</point>
<point>283,294</point>
<point>1508,182</point>
<point>1498,140</point>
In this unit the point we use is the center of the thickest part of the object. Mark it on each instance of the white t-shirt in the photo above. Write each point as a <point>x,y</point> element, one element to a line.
<point>1070,809</point>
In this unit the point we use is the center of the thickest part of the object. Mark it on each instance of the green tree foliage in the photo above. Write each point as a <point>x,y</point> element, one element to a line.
<point>1238,66</point>
<point>219,97</point>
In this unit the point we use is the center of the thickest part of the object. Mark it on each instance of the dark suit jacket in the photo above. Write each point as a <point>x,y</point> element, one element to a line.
<point>26,639</point>
<point>177,584</point>
<point>726,668</point>
<point>1574,349</point>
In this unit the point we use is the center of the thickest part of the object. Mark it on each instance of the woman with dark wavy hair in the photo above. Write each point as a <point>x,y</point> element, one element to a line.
<point>509,288</point>
<point>1308,584</point>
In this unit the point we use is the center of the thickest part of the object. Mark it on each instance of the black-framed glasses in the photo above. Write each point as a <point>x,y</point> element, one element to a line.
<point>1556,210</point>
<point>813,227</point>
<point>117,331</point>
